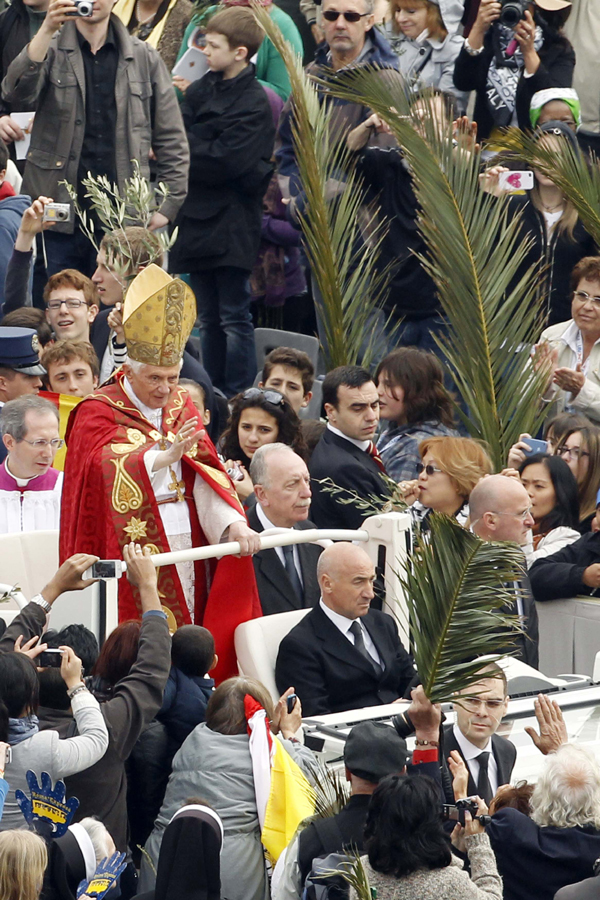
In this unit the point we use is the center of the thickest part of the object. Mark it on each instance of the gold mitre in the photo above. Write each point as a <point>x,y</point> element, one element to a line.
<point>158,315</point>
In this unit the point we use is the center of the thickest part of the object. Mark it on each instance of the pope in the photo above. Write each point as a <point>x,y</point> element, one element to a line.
<point>140,467</point>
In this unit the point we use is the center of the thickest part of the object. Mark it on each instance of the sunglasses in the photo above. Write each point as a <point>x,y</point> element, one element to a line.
<point>273,397</point>
<point>429,470</point>
<point>332,16</point>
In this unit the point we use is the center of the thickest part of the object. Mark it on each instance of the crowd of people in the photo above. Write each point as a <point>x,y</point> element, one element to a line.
<point>135,421</point>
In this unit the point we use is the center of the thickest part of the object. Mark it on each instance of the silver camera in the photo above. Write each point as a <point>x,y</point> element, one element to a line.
<point>85,8</point>
<point>57,212</point>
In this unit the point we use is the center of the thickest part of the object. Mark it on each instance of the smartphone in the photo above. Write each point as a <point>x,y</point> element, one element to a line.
<point>515,181</point>
<point>8,758</point>
<point>291,702</point>
<point>105,569</point>
<point>536,446</point>
<point>50,659</point>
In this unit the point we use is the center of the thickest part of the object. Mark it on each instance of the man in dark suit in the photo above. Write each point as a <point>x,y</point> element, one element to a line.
<point>346,453</point>
<point>344,655</point>
<point>500,510</point>
<point>489,758</point>
<point>286,577</point>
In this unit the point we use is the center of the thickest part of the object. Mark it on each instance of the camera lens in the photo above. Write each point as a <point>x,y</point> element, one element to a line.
<point>511,15</point>
<point>61,215</point>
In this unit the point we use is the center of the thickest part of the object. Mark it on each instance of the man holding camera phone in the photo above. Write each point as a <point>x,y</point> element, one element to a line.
<point>93,81</point>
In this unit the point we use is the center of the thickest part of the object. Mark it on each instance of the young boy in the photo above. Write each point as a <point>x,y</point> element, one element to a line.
<point>188,689</point>
<point>230,130</point>
<point>72,368</point>
<point>291,373</point>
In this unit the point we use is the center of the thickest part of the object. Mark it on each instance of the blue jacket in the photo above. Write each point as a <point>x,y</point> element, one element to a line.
<point>11,213</point>
<point>184,704</point>
<point>345,115</point>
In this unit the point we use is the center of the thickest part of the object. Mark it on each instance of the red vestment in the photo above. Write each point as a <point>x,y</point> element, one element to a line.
<point>107,501</point>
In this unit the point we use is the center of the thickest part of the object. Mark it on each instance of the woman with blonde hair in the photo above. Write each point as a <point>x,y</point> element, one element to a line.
<point>23,861</point>
<point>450,468</point>
<point>426,52</point>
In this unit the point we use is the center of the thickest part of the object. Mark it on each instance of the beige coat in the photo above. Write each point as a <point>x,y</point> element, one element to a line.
<point>148,116</point>
<point>587,400</point>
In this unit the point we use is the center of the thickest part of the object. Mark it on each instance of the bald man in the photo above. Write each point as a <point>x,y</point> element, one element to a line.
<point>500,510</point>
<point>343,654</point>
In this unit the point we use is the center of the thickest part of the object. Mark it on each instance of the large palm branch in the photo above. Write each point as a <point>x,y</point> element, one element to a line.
<point>343,266</point>
<point>577,177</point>
<point>474,255</point>
<point>454,589</point>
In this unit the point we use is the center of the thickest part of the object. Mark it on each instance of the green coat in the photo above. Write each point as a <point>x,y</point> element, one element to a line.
<point>270,68</point>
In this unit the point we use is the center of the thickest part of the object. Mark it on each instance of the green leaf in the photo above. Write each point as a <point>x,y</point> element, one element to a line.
<point>454,589</point>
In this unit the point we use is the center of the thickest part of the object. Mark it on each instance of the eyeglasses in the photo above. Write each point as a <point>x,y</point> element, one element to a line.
<point>571,452</point>
<point>582,297</point>
<point>429,470</point>
<point>522,515</point>
<point>473,704</point>
<point>273,397</point>
<point>70,304</point>
<point>332,16</point>
<point>41,444</point>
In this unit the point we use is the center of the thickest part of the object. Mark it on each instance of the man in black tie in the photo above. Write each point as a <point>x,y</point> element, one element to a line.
<point>479,711</point>
<point>346,453</point>
<point>343,654</point>
<point>286,577</point>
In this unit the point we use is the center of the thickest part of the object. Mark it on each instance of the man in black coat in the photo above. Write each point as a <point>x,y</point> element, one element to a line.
<point>500,510</point>
<point>569,572</point>
<point>18,23</point>
<point>286,577</point>
<point>230,130</point>
<point>343,655</point>
<point>479,711</point>
<point>346,453</point>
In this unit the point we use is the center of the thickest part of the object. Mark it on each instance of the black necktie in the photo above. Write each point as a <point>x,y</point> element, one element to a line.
<point>290,568</point>
<point>484,788</point>
<point>359,643</point>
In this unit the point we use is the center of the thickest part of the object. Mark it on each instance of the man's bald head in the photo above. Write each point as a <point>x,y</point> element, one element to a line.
<point>346,575</point>
<point>499,509</point>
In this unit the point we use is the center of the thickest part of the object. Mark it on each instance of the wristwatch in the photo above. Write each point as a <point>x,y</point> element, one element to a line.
<point>41,602</point>
<point>470,50</point>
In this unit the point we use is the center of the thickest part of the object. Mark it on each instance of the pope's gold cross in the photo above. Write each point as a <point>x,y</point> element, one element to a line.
<point>178,486</point>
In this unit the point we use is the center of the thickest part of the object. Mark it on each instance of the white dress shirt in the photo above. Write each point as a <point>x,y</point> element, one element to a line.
<point>362,445</point>
<point>266,524</point>
<point>343,624</point>
<point>470,752</point>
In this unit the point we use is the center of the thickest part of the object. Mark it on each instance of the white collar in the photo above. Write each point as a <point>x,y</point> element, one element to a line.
<point>469,750</point>
<point>21,482</point>
<point>572,335</point>
<point>342,622</point>
<point>362,445</point>
<point>151,414</point>
<point>265,521</point>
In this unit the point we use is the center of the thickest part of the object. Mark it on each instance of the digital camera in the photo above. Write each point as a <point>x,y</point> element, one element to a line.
<point>85,8</point>
<point>56,212</point>
<point>512,12</point>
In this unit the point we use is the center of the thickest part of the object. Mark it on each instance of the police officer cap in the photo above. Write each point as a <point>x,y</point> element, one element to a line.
<point>19,350</point>
<point>374,750</point>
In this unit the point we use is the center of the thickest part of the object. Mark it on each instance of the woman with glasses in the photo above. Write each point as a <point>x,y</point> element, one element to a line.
<point>553,491</point>
<point>570,351</point>
<point>257,417</point>
<point>449,470</point>
<point>580,449</point>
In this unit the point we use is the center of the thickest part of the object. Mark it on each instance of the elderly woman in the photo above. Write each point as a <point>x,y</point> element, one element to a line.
<point>450,469</point>
<point>571,350</point>
<point>559,843</point>
<point>214,763</point>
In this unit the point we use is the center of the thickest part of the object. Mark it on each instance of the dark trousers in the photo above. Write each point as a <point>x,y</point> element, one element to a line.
<point>69,251</point>
<point>226,332</point>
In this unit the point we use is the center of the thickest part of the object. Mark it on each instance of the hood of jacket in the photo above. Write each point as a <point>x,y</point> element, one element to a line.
<point>16,205</point>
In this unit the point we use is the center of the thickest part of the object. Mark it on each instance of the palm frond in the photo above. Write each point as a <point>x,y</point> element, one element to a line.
<point>353,871</point>
<point>474,256</point>
<point>369,504</point>
<point>342,264</point>
<point>331,791</point>
<point>577,177</point>
<point>454,589</point>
